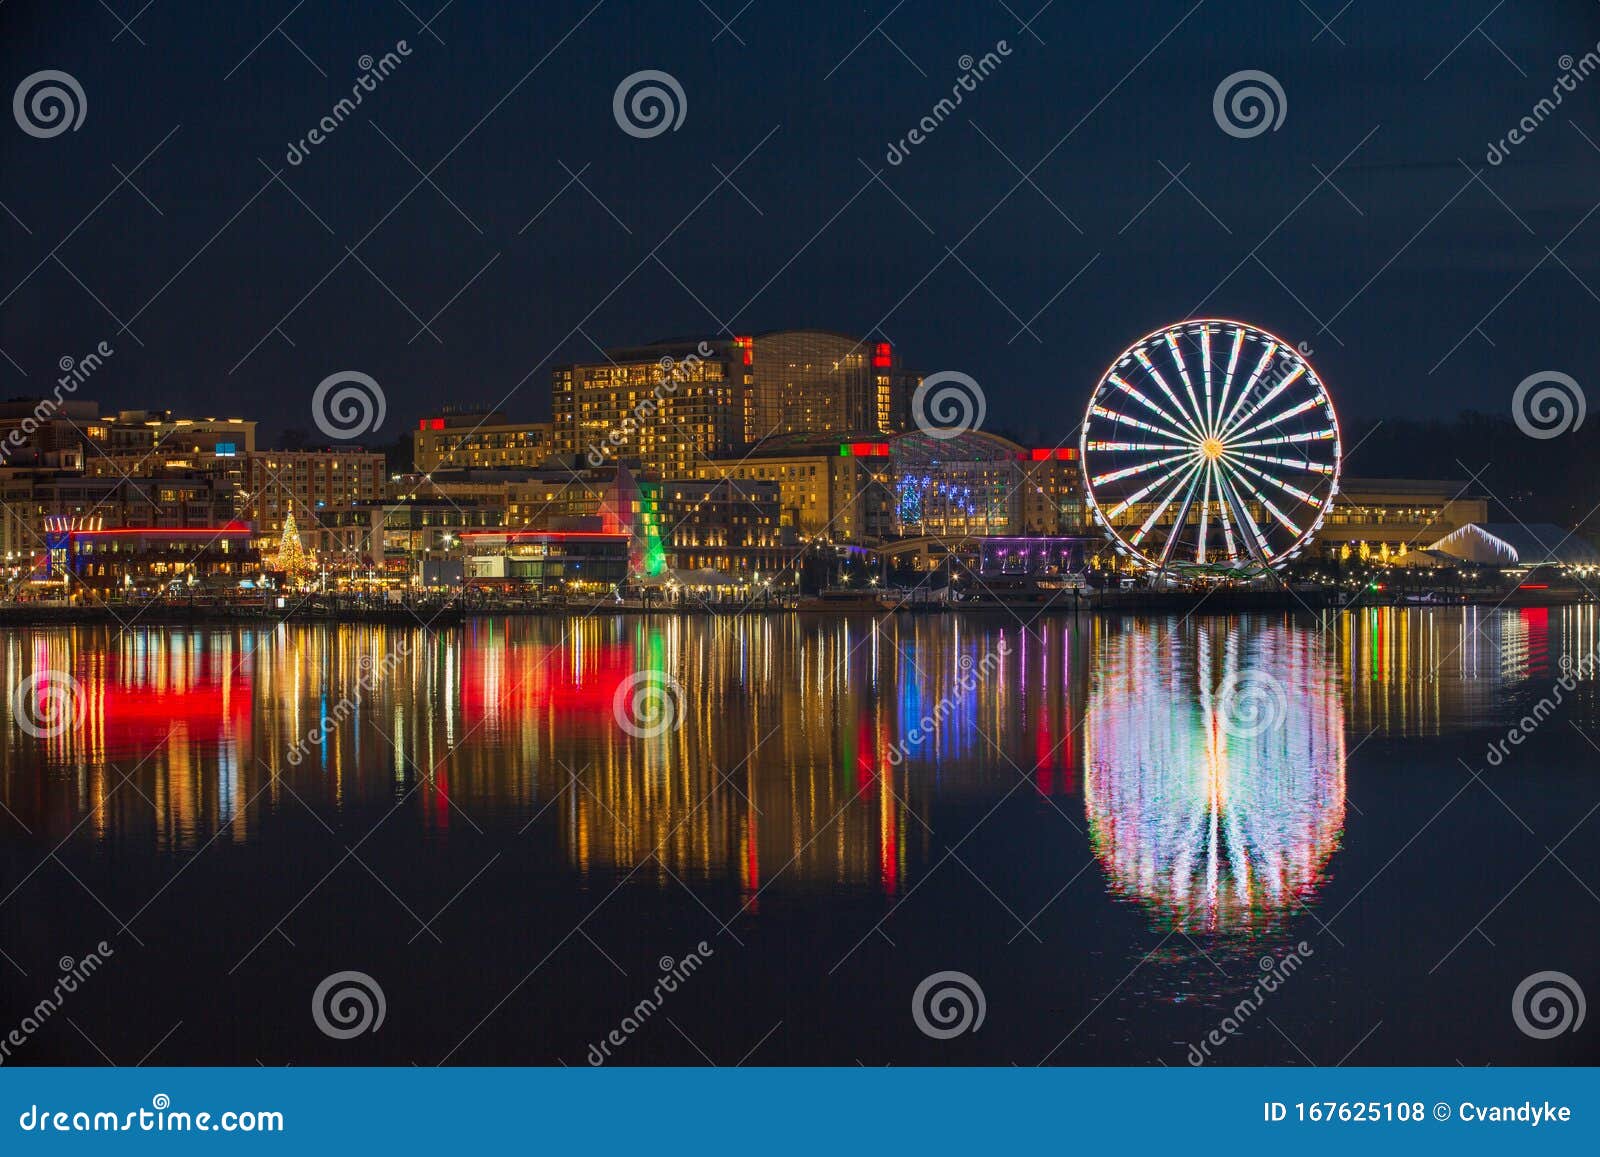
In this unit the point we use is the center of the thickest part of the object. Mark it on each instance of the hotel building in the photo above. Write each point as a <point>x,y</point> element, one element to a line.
<point>815,382</point>
<point>678,405</point>
<point>671,405</point>
<point>460,439</point>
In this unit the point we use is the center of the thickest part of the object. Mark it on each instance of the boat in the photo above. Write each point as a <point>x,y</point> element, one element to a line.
<point>841,599</point>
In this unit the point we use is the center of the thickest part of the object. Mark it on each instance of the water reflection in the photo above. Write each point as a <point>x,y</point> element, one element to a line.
<point>811,752</point>
<point>1216,821</point>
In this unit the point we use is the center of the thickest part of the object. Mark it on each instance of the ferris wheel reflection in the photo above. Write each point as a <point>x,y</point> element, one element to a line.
<point>1214,774</point>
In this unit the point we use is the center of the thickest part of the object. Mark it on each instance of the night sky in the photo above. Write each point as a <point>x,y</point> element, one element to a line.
<point>1420,275</point>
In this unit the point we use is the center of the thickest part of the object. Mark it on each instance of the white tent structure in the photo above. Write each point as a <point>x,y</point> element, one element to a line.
<point>1516,544</point>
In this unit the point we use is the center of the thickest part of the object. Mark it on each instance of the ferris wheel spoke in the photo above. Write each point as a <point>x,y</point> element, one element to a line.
<point>1142,468</point>
<point>1205,369</point>
<point>1161,507</point>
<point>1164,415</point>
<point>1148,489</point>
<point>1182,517</point>
<point>1205,518</point>
<point>1294,411</point>
<point>1128,419</point>
<point>1256,542</point>
<point>1188,386</point>
<point>1161,384</point>
<point>1132,447</point>
<point>1272,395</point>
<point>1306,465</point>
<point>1236,476</point>
<point>1286,487</point>
<point>1288,439</point>
<point>1227,377</point>
<point>1222,509</point>
<point>1250,384</point>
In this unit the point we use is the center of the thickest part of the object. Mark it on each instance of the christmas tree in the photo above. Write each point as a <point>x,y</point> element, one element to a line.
<point>292,560</point>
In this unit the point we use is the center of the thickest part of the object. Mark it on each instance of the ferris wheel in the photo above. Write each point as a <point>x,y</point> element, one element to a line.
<point>1210,444</point>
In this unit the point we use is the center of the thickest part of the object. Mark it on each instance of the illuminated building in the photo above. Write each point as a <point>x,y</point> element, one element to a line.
<point>671,405</point>
<point>309,481</point>
<point>160,435</point>
<point>870,490</point>
<point>257,486</point>
<point>83,552</point>
<point>819,383</point>
<point>826,493</point>
<point>981,484</point>
<point>678,405</point>
<point>1396,512</point>
<point>402,535</point>
<point>28,499</point>
<point>725,526</point>
<point>545,560</point>
<point>467,439</point>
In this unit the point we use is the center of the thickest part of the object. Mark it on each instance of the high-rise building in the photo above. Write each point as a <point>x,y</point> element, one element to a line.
<point>670,405</point>
<point>677,405</point>
<point>811,381</point>
<point>464,439</point>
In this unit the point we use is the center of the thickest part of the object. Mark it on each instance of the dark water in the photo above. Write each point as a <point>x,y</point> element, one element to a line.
<point>1115,828</point>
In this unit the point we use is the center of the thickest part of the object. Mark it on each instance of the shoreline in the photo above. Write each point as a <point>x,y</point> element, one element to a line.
<point>1106,603</point>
